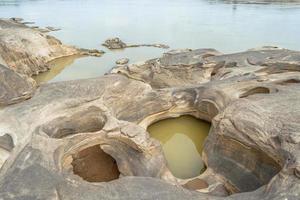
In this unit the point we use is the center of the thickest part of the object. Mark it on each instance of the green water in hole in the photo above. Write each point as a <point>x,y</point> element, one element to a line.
<point>182,140</point>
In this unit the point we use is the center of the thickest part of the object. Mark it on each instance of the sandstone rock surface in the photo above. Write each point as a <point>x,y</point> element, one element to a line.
<point>27,51</point>
<point>14,87</point>
<point>252,152</point>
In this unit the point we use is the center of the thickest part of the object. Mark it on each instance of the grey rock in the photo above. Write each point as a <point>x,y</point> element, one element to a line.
<point>50,28</point>
<point>114,43</point>
<point>14,87</point>
<point>122,61</point>
<point>117,43</point>
<point>27,51</point>
<point>252,151</point>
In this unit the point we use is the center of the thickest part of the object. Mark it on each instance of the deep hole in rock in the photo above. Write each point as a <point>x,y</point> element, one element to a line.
<point>6,146</point>
<point>6,142</point>
<point>256,90</point>
<point>245,168</point>
<point>182,140</point>
<point>94,165</point>
<point>89,120</point>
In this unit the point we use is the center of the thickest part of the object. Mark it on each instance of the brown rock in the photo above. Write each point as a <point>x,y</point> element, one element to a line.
<point>14,87</point>
<point>195,184</point>
<point>252,151</point>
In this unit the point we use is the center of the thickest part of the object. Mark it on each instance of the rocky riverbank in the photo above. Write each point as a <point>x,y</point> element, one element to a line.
<point>252,151</point>
<point>27,51</point>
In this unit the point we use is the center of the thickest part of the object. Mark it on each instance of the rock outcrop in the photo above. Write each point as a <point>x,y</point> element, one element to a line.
<point>122,61</point>
<point>27,51</point>
<point>117,43</point>
<point>14,87</point>
<point>252,151</point>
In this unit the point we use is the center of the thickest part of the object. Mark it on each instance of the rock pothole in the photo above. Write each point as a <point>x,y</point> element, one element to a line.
<point>6,146</point>
<point>244,168</point>
<point>94,165</point>
<point>182,139</point>
<point>87,120</point>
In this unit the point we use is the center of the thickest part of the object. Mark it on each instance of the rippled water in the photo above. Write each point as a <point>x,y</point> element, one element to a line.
<point>182,139</point>
<point>178,23</point>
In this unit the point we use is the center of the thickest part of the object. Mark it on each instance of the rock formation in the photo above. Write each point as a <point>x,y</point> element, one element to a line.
<point>252,99</point>
<point>27,51</point>
<point>122,61</point>
<point>14,87</point>
<point>117,43</point>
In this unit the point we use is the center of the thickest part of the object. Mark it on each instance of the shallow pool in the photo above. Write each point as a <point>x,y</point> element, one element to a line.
<point>182,140</point>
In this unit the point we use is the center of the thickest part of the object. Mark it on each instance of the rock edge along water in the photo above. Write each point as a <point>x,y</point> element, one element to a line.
<point>27,51</point>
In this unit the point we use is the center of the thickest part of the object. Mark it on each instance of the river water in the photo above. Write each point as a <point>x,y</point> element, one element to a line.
<point>177,23</point>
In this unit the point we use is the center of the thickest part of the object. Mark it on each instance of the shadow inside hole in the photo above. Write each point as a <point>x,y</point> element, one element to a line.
<point>196,184</point>
<point>256,90</point>
<point>289,81</point>
<point>6,146</point>
<point>94,165</point>
<point>87,120</point>
<point>245,168</point>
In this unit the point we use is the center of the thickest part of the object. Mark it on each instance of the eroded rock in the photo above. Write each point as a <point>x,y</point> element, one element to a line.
<point>252,151</point>
<point>122,61</point>
<point>27,51</point>
<point>102,167</point>
<point>14,87</point>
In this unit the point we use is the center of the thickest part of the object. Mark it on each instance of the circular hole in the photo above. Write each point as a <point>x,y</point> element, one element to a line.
<point>245,168</point>
<point>182,140</point>
<point>94,165</point>
<point>88,120</point>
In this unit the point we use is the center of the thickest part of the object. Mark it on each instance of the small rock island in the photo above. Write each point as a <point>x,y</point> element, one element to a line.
<point>117,43</point>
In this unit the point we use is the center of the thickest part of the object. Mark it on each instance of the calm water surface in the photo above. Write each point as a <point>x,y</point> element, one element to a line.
<point>178,23</point>
<point>182,140</point>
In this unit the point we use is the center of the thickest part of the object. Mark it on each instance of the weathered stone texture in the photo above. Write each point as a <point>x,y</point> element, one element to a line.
<point>251,98</point>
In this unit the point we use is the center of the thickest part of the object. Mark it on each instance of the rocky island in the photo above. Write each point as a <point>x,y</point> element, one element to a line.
<point>88,139</point>
<point>117,43</point>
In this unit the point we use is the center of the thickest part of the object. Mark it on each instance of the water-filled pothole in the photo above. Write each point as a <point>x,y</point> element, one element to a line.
<point>94,165</point>
<point>182,140</point>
